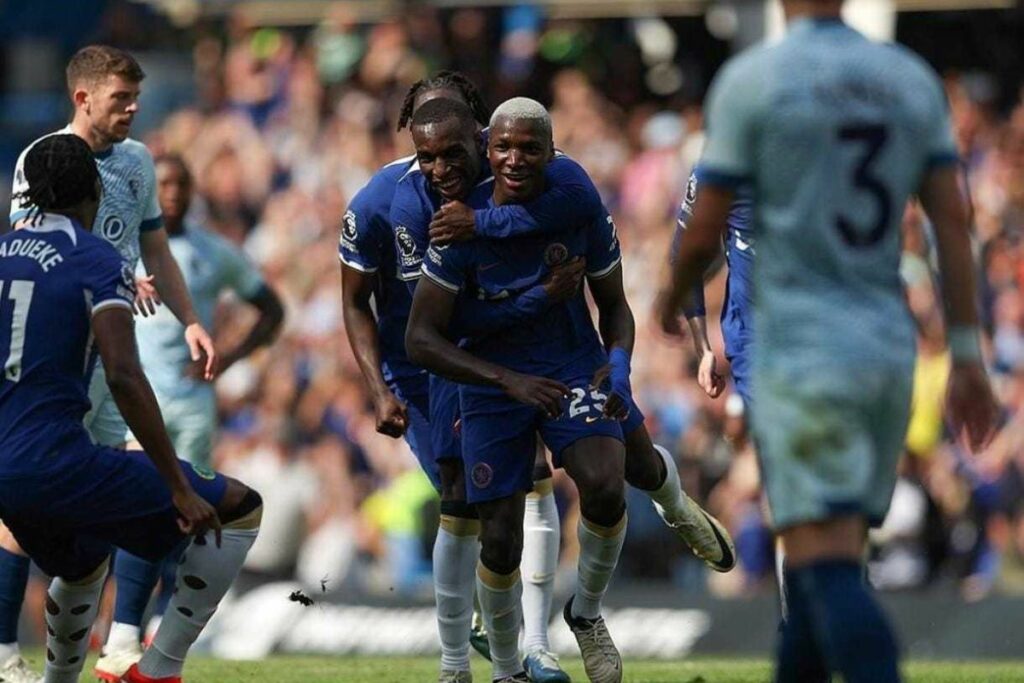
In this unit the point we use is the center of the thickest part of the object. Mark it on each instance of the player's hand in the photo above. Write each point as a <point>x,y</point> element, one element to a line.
<point>564,280</point>
<point>970,405</point>
<point>196,515</point>
<point>453,222</point>
<point>200,345</point>
<point>666,314</point>
<point>146,296</point>
<point>540,392</point>
<point>708,378</point>
<point>392,416</point>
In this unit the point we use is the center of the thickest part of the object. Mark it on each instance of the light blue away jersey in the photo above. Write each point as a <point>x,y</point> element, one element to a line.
<point>834,133</point>
<point>210,265</point>
<point>129,204</point>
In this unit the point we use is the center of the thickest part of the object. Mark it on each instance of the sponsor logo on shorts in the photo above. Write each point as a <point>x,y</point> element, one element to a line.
<point>204,472</point>
<point>482,475</point>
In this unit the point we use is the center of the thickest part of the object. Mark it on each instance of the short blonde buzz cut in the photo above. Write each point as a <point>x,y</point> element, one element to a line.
<point>93,63</point>
<point>523,109</point>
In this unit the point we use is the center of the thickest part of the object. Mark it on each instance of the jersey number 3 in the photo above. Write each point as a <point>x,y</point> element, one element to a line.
<point>20,292</point>
<point>871,138</point>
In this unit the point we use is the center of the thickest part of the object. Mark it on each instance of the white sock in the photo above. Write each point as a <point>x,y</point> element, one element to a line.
<point>541,539</point>
<point>153,626</point>
<point>456,552</point>
<point>8,650</point>
<point>500,598</point>
<point>70,610</point>
<point>670,494</point>
<point>599,553</point>
<point>204,576</point>
<point>122,637</point>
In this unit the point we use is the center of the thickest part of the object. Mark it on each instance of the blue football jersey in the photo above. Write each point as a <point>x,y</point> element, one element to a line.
<point>54,277</point>
<point>738,308</point>
<point>368,245</point>
<point>496,269</point>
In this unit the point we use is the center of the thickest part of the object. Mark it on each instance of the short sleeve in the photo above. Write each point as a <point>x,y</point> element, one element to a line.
<point>410,220</point>
<point>603,252</point>
<point>445,266</point>
<point>358,247</point>
<point>694,306</point>
<point>152,218</point>
<point>940,142</point>
<point>733,105</point>
<point>19,207</point>
<point>109,279</point>
<point>242,275</point>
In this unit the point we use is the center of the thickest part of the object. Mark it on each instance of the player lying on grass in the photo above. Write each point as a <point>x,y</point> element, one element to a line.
<point>67,501</point>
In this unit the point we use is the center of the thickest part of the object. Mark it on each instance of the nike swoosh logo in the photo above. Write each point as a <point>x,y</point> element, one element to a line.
<point>728,561</point>
<point>741,245</point>
<point>591,419</point>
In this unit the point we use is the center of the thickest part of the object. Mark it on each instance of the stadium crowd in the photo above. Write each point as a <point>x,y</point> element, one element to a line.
<point>286,127</point>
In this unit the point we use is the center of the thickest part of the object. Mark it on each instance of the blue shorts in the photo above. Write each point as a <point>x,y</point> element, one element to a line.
<point>635,419</point>
<point>499,435</point>
<point>417,433</point>
<point>741,379</point>
<point>81,500</point>
<point>445,426</point>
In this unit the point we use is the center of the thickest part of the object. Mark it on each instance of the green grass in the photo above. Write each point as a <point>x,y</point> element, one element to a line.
<point>296,669</point>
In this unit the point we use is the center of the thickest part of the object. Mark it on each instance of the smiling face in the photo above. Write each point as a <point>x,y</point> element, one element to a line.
<point>518,151</point>
<point>109,105</point>
<point>448,156</point>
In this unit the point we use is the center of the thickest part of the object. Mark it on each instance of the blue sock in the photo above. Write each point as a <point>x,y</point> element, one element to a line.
<point>799,658</point>
<point>847,623</point>
<point>136,579</point>
<point>13,579</point>
<point>168,575</point>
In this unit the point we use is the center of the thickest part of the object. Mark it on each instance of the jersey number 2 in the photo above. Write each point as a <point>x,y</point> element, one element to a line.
<point>20,292</point>
<point>872,139</point>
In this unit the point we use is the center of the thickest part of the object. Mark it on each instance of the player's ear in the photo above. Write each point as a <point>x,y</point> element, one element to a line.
<point>80,97</point>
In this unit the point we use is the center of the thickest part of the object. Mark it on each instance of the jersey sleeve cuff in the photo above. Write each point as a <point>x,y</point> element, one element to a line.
<point>724,179</point>
<point>941,159</point>
<point>150,224</point>
<point>355,265</point>
<point>110,303</point>
<point>441,282</point>
<point>606,271</point>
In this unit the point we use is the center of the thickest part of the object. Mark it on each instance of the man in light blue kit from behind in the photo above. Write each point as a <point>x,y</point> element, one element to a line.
<point>210,266</point>
<point>833,133</point>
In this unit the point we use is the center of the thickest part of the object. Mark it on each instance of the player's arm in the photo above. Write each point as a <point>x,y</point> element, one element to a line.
<point>618,332</point>
<point>361,328</point>
<point>428,346</point>
<point>569,194</point>
<point>114,332</point>
<point>264,330</point>
<point>475,317</point>
<point>971,404</point>
<point>170,284</point>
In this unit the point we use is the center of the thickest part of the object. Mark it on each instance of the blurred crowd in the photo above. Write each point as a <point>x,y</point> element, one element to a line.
<point>286,127</point>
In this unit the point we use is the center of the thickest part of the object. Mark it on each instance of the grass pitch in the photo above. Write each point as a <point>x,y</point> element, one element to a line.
<point>298,669</point>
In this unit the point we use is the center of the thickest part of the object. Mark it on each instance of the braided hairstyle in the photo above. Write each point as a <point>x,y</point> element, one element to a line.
<point>61,173</point>
<point>450,80</point>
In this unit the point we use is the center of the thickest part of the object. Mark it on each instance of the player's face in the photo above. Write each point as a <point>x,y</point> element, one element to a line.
<point>174,190</point>
<point>518,151</point>
<point>111,105</point>
<point>448,157</point>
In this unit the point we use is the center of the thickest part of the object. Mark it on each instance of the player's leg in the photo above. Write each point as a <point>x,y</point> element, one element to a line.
<point>596,464</point>
<point>14,571</point>
<point>652,469</point>
<point>827,472</point>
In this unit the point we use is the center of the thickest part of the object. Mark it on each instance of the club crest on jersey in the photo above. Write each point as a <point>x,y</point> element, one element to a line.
<point>204,472</point>
<point>482,475</point>
<point>555,253</point>
<point>133,186</point>
<point>112,228</point>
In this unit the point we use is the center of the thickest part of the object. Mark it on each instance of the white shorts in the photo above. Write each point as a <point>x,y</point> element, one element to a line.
<point>191,422</point>
<point>103,421</point>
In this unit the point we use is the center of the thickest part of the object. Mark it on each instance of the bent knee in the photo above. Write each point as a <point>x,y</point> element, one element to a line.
<point>241,507</point>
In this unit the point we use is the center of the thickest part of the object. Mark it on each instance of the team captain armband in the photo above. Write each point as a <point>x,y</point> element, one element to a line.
<point>964,343</point>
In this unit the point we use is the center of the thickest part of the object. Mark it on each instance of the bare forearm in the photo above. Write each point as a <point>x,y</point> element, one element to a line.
<point>170,284</point>
<point>361,329</point>
<point>618,328</point>
<point>134,398</point>
<point>945,206</point>
<point>699,331</point>
<point>429,349</point>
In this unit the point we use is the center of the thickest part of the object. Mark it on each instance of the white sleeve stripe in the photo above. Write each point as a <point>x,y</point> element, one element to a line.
<point>444,284</point>
<point>597,275</point>
<point>356,266</point>
<point>110,303</point>
<point>409,277</point>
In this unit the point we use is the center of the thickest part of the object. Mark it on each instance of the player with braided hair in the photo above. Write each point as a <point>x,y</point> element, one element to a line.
<point>444,80</point>
<point>66,295</point>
